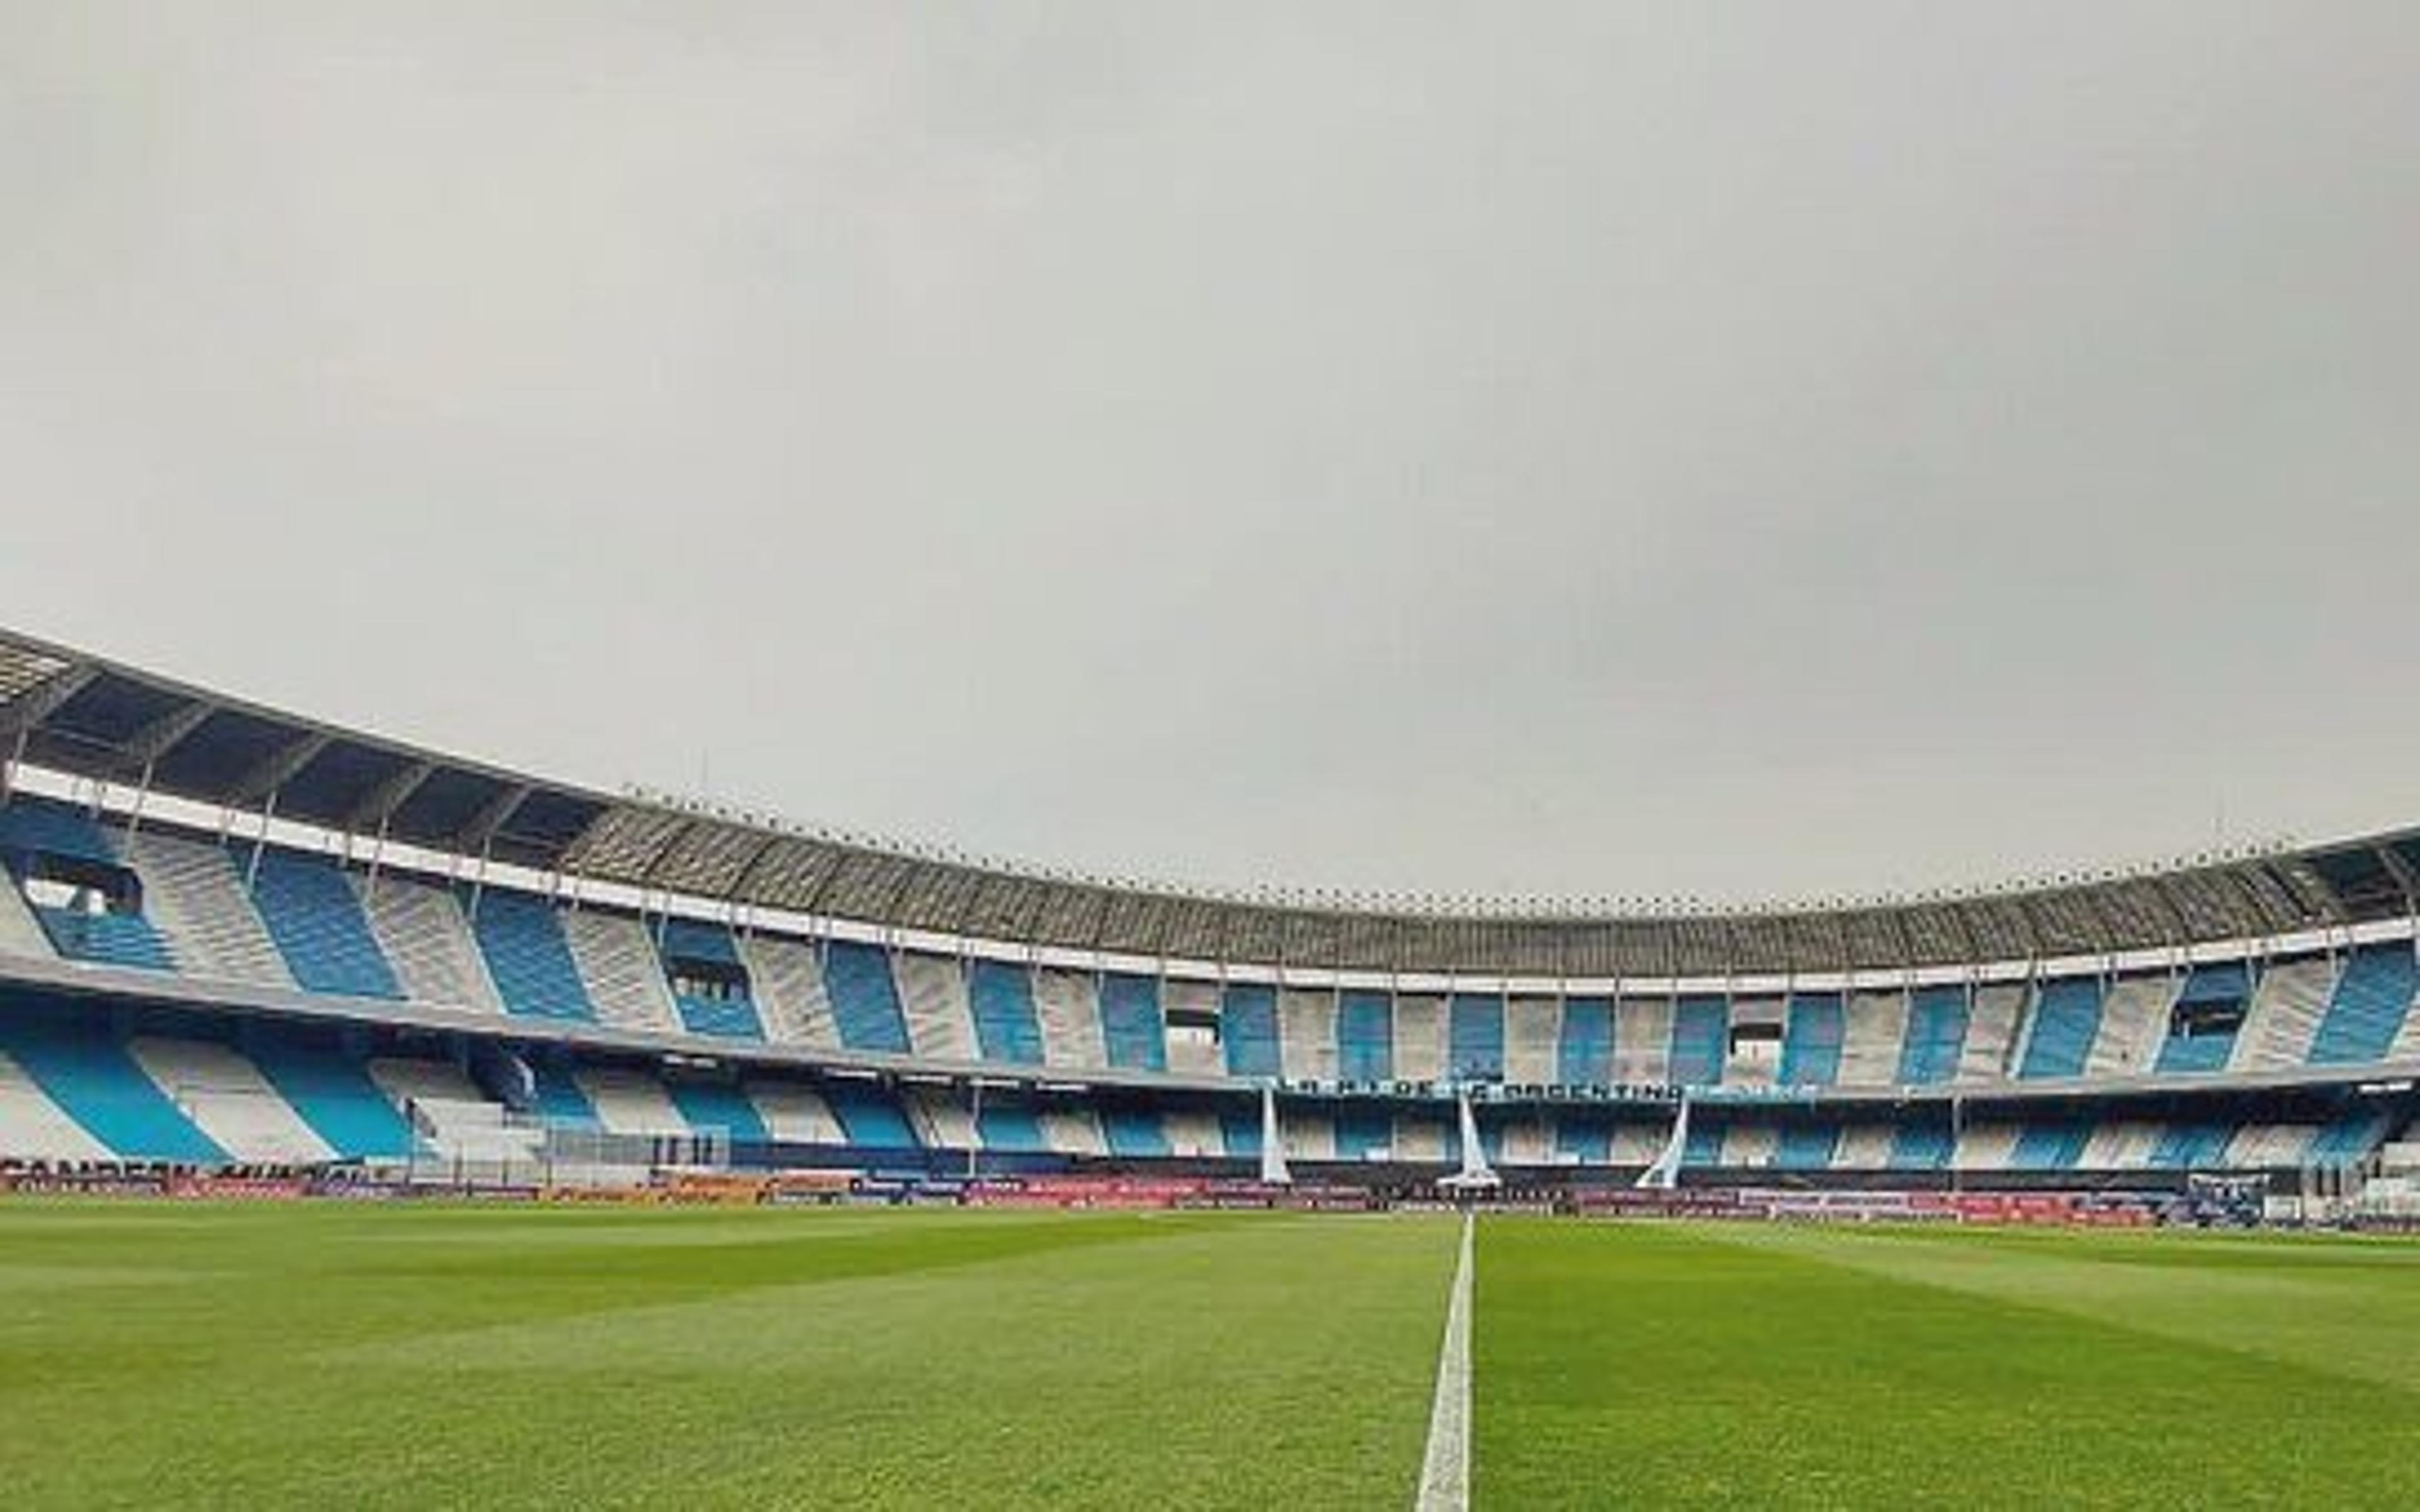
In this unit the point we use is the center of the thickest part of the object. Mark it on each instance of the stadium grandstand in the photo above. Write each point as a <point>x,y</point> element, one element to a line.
<point>236,936</point>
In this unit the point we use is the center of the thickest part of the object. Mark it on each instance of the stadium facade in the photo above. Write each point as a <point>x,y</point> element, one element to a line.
<point>234,936</point>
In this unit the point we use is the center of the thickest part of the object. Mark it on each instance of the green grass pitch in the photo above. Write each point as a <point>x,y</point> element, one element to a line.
<point>324,1355</point>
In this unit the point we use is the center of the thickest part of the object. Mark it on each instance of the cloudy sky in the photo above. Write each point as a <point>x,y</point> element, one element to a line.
<point>1744,450</point>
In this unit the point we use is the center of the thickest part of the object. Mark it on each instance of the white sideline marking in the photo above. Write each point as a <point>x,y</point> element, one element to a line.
<point>1445,1476</point>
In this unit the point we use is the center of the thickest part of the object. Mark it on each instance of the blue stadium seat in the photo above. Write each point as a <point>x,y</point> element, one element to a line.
<point>1475,1038</point>
<point>105,939</point>
<point>1920,1147</point>
<point>1805,1147</point>
<point>2184,1147</point>
<point>1704,1146</point>
<point>2067,1019</point>
<point>1009,1128</point>
<point>869,1116</point>
<point>334,1093</point>
<point>559,1098</point>
<point>1363,1130</point>
<point>312,913</point>
<point>865,997</point>
<point>520,935</point>
<point>2372,998</point>
<point>1584,1050</point>
<point>1248,1019</point>
<point>1584,1136</point>
<point>32,825</point>
<point>1134,1132</point>
<point>1365,1036</point>
<point>1810,1043</point>
<point>1006,1028</point>
<point>1132,1028</point>
<point>2206,987</point>
<point>705,1106</point>
<point>720,1018</point>
<point>1937,1036</point>
<point>97,1083</point>
<point>1700,1041</point>
<point>2349,1138</point>
<point>2051,1145</point>
<point>1240,1127</point>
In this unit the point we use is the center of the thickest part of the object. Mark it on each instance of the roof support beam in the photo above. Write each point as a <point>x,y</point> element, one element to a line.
<point>144,748</point>
<point>480,833</point>
<point>379,805</point>
<point>43,699</point>
<point>275,771</point>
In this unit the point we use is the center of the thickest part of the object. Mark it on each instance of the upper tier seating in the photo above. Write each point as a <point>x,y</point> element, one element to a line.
<point>1307,1034</point>
<point>1006,1027</point>
<point>1365,1036</point>
<point>308,905</point>
<point>864,999</point>
<point>2134,1022</point>
<point>2372,998</point>
<point>109,939</point>
<point>1419,1037</point>
<point>1532,1026</point>
<point>1700,1041</point>
<point>719,999</point>
<point>1992,1032</point>
<point>1584,1048</point>
<point>1474,1037</point>
<point>2285,1014</point>
<point>421,931</point>
<point>1810,1040</point>
<point>1190,1051</point>
<point>621,971</point>
<point>1937,1036</point>
<point>932,999</point>
<point>520,938</point>
<point>1873,1040</point>
<point>786,978</point>
<point>193,895</point>
<point>2066,1021</point>
<point>1642,1041</point>
<point>1067,1004</point>
<point>1248,1019</point>
<point>1132,1029</point>
<point>2186,1048</point>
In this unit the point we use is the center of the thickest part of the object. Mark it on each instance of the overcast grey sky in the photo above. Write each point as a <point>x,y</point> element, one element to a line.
<point>1749,450</point>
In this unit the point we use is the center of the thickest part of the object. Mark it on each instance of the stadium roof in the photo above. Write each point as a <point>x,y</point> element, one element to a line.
<point>90,718</point>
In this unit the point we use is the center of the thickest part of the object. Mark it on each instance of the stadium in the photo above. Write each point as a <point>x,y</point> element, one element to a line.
<point>1050,754</point>
<point>253,955</point>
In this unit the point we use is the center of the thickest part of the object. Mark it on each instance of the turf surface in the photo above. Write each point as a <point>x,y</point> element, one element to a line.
<point>318,1356</point>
